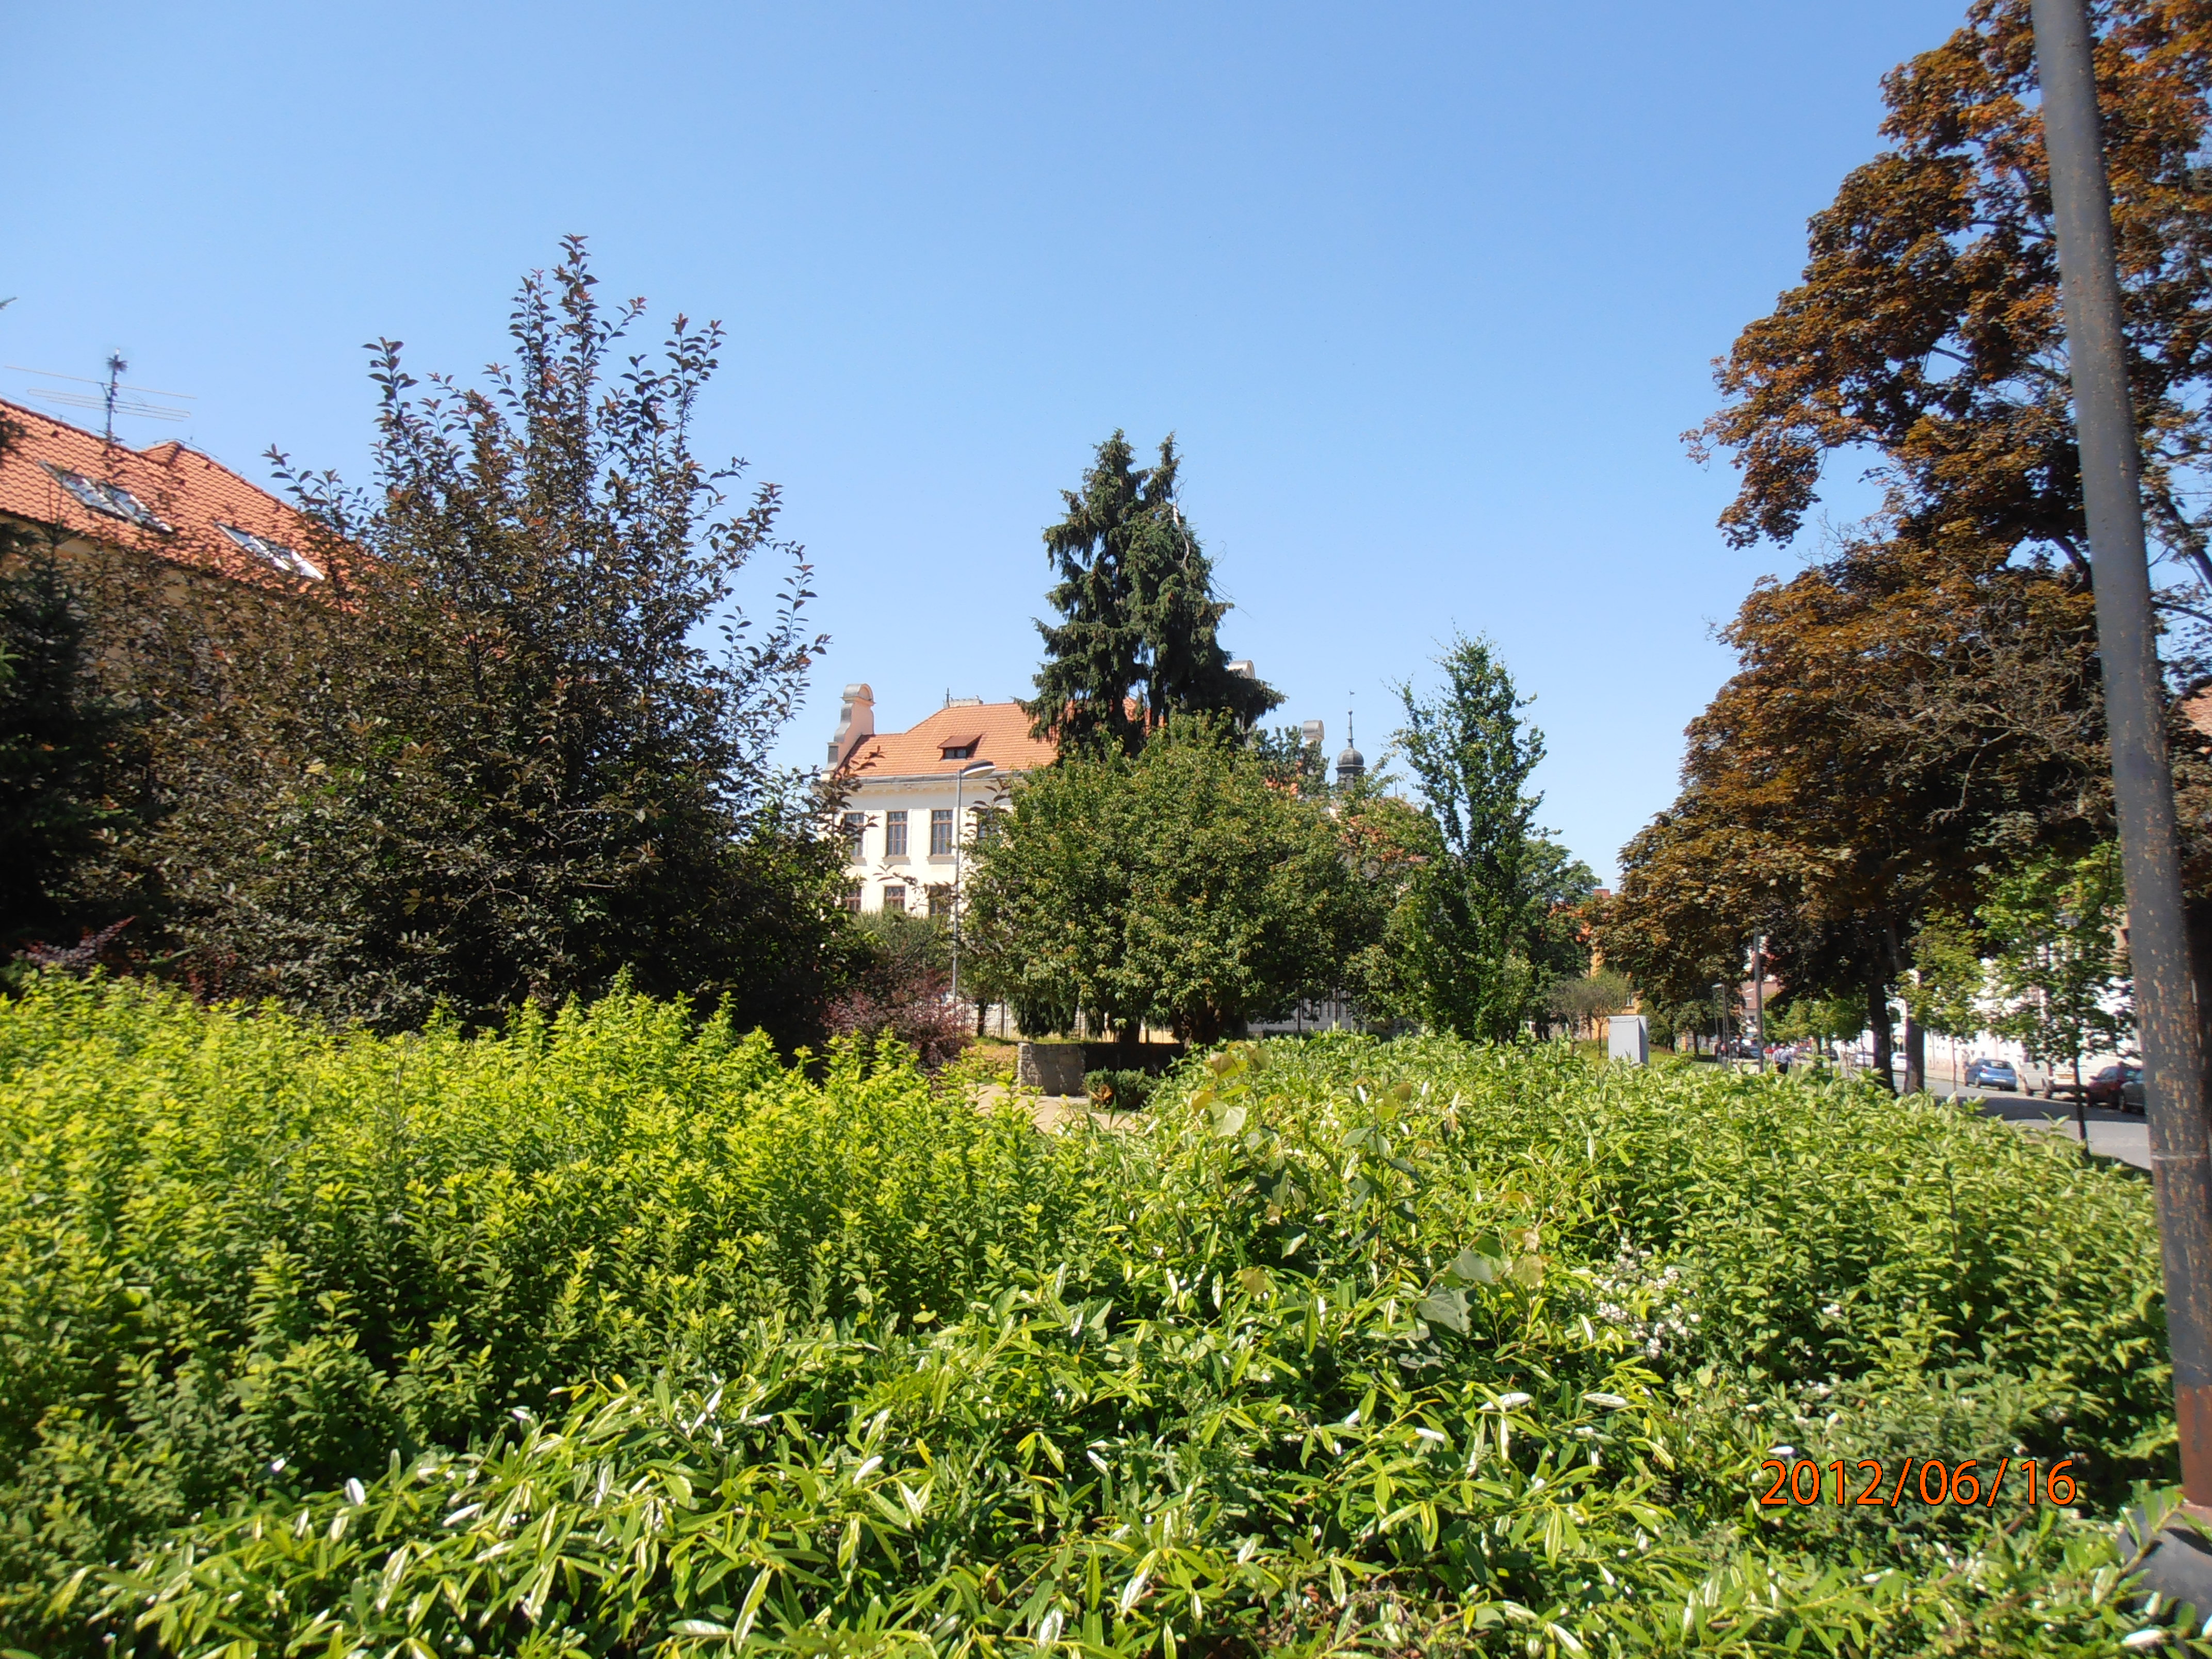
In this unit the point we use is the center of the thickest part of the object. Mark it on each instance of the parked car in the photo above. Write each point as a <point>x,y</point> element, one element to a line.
<point>2116,1088</point>
<point>1992,1074</point>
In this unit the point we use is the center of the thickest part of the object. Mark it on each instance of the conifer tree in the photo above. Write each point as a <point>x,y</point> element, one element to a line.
<point>1140,618</point>
<point>70,775</point>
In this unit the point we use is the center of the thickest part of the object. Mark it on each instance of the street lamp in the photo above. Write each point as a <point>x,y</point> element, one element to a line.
<point>1759,995</point>
<point>960,839</point>
<point>2143,782</point>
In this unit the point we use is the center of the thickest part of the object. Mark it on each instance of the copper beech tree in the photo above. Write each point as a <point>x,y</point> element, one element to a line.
<point>1898,722</point>
<point>1921,707</point>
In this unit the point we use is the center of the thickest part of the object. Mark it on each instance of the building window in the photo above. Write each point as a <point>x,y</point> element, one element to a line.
<point>895,899</point>
<point>940,901</point>
<point>940,831</point>
<point>852,900</point>
<point>895,834</point>
<point>852,826</point>
<point>112,499</point>
<point>960,751</point>
<point>275,552</point>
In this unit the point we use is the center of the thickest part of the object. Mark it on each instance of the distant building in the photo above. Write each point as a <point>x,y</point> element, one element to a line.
<point>912,793</point>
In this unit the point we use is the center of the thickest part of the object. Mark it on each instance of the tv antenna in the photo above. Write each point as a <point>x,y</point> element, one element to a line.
<point>113,398</point>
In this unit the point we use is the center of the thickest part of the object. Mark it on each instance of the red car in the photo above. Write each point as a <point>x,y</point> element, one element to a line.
<point>2116,1088</point>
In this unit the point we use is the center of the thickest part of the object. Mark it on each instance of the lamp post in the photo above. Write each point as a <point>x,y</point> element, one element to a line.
<point>959,841</point>
<point>1759,994</point>
<point>2143,782</point>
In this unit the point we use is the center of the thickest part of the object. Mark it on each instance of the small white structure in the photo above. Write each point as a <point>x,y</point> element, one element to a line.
<point>1627,1039</point>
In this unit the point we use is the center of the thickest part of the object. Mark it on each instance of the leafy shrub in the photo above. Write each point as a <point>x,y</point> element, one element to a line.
<point>1126,1089</point>
<point>241,1257</point>
<point>902,989</point>
<point>608,1335</point>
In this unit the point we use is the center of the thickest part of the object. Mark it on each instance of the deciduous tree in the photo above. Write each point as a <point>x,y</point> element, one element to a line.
<point>1182,886</point>
<point>525,745</point>
<point>1926,334</point>
<point>1901,720</point>
<point>1478,937</point>
<point>1926,330</point>
<point>2059,966</point>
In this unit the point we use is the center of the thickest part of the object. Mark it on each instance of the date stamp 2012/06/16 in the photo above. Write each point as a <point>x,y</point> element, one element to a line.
<point>1928,1480</point>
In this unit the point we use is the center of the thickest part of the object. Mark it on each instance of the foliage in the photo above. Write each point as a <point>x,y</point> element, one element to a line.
<point>1137,643</point>
<point>1927,334</point>
<point>1898,722</point>
<point>71,761</point>
<point>524,745</point>
<point>1948,989</point>
<point>1182,886</point>
<point>1291,760</point>
<point>1589,997</point>
<point>1479,936</point>
<point>901,988</point>
<point>906,943</point>
<point>1126,1089</point>
<point>1820,1020</point>
<point>2058,965</point>
<point>600,1336</point>
<point>1927,327</point>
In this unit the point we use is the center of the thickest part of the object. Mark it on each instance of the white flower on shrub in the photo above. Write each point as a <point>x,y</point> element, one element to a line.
<point>1641,1303</point>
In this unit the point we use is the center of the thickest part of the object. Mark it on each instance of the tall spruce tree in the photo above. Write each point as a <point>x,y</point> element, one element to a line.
<point>1138,635</point>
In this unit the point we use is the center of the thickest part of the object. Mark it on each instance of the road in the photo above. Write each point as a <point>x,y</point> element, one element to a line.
<point>2122,1135</point>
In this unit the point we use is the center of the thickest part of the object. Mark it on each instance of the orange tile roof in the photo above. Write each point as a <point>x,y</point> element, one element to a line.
<point>1000,731</point>
<point>188,492</point>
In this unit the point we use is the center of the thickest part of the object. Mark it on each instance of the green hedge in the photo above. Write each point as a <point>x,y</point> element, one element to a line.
<point>610,1335</point>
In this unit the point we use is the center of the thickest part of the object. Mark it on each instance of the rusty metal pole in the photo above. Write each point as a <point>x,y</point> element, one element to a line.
<point>2135,713</point>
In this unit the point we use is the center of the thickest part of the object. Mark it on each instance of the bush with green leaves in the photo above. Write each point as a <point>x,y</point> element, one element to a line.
<point>608,1335</point>
<point>1124,1088</point>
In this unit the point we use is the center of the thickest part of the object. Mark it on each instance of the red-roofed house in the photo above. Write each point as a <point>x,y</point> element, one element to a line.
<point>175,504</point>
<point>908,791</point>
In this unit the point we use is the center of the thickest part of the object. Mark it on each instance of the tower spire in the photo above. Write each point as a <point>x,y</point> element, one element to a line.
<point>1351,763</point>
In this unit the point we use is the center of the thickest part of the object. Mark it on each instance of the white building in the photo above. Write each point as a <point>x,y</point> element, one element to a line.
<point>912,793</point>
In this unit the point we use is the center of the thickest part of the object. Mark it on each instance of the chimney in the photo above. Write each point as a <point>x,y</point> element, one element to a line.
<point>1310,735</point>
<point>856,722</point>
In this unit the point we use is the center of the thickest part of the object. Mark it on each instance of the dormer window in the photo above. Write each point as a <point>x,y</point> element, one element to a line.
<point>112,500</point>
<point>275,553</point>
<point>964,751</point>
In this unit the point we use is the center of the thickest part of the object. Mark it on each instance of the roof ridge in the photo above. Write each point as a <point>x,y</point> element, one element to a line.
<point>176,446</point>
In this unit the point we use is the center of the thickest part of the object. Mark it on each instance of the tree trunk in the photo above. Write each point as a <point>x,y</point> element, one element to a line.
<point>1915,1055</point>
<point>2198,913</point>
<point>1885,1041</point>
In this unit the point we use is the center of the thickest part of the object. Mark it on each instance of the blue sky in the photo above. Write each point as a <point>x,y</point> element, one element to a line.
<point>1426,292</point>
